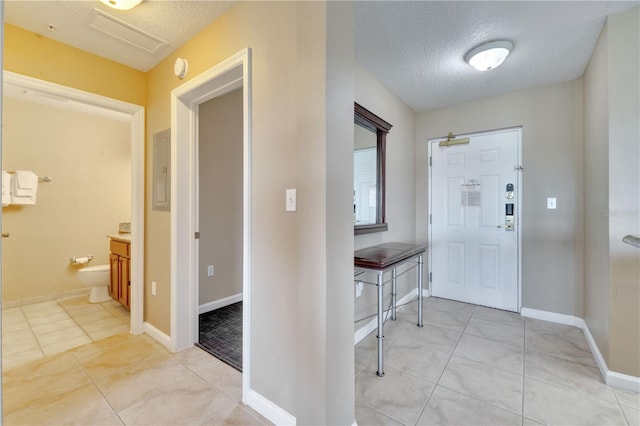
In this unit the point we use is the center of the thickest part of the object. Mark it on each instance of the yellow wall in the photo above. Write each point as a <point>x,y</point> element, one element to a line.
<point>36,56</point>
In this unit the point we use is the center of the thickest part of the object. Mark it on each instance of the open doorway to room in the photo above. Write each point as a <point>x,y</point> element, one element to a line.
<point>231,77</point>
<point>220,226</point>
<point>88,144</point>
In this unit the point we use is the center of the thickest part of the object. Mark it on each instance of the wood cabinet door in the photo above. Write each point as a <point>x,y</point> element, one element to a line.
<point>114,281</point>
<point>125,290</point>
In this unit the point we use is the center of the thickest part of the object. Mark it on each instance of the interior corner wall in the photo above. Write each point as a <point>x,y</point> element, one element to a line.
<point>551,120</point>
<point>624,190</point>
<point>372,94</point>
<point>596,196</point>
<point>220,197</point>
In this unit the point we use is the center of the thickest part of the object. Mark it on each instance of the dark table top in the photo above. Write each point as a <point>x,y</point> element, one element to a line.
<point>386,255</point>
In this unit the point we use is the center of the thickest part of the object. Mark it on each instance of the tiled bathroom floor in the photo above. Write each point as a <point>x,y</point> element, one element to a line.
<point>471,365</point>
<point>30,332</point>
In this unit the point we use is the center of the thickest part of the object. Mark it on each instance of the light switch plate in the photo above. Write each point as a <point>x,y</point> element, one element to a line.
<point>551,203</point>
<point>291,200</point>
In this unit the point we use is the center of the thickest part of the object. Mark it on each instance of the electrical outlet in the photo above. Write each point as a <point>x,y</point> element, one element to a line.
<point>210,270</point>
<point>551,203</point>
<point>154,288</point>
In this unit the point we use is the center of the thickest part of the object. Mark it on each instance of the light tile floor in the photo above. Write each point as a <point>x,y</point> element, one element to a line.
<point>30,332</point>
<point>467,365</point>
<point>125,379</point>
<point>471,365</point>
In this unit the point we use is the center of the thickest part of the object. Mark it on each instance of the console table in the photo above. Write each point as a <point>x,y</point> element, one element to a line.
<point>379,260</point>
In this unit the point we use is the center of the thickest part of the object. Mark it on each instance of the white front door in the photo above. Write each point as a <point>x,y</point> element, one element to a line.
<point>474,254</point>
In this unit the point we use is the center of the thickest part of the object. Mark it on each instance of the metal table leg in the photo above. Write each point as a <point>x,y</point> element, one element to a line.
<point>380,371</point>
<point>420,271</point>
<point>393,294</point>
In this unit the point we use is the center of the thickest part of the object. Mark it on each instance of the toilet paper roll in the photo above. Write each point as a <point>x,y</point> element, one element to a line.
<point>80,260</point>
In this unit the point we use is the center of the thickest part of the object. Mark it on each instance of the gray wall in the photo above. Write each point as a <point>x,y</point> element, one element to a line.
<point>596,197</point>
<point>220,201</point>
<point>624,190</point>
<point>612,204</point>
<point>400,185</point>
<point>551,119</point>
<point>323,224</point>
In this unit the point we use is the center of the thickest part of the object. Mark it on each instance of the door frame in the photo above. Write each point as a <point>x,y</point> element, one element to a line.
<point>136,115</point>
<point>520,186</point>
<point>229,75</point>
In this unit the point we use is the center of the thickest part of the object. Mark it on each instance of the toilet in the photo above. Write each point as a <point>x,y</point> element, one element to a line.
<point>97,279</point>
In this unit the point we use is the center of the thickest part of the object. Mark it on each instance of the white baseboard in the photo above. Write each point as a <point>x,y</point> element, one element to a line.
<point>617,380</point>
<point>552,317</point>
<point>268,409</point>
<point>372,324</point>
<point>158,335</point>
<point>602,365</point>
<point>46,298</point>
<point>623,381</point>
<point>220,303</point>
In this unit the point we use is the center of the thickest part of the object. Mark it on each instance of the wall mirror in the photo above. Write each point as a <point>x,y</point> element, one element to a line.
<point>369,150</point>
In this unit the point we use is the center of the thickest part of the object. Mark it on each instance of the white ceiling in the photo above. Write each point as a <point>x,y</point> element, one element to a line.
<point>415,48</point>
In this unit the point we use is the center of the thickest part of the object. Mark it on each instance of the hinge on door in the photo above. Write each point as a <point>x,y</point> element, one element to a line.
<point>430,161</point>
<point>430,219</point>
<point>518,168</point>
<point>196,235</point>
<point>430,277</point>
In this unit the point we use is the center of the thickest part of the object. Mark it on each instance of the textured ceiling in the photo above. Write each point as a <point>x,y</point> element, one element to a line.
<point>415,48</point>
<point>174,22</point>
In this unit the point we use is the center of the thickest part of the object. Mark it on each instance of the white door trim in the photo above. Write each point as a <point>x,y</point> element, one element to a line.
<point>519,223</point>
<point>136,115</point>
<point>225,77</point>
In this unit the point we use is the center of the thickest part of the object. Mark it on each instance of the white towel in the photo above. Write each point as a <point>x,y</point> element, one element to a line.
<point>6,188</point>
<point>24,187</point>
<point>26,183</point>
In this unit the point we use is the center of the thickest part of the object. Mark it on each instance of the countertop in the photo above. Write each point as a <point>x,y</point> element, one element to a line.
<point>385,255</point>
<point>125,238</point>
<point>634,240</point>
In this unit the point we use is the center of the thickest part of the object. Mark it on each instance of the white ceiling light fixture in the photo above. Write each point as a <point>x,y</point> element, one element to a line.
<point>122,4</point>
<point>489,55</point>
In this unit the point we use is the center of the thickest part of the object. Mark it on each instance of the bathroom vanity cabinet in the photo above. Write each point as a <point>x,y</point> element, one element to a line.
<point>120,284</point>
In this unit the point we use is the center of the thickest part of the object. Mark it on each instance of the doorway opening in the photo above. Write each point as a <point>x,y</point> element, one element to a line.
<point>186,100</point>
<point>219,182</point>
<point>475,204</point>
<point>134,115</point>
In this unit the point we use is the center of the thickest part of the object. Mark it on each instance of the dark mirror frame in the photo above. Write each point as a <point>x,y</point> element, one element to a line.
<point>369,120</point>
